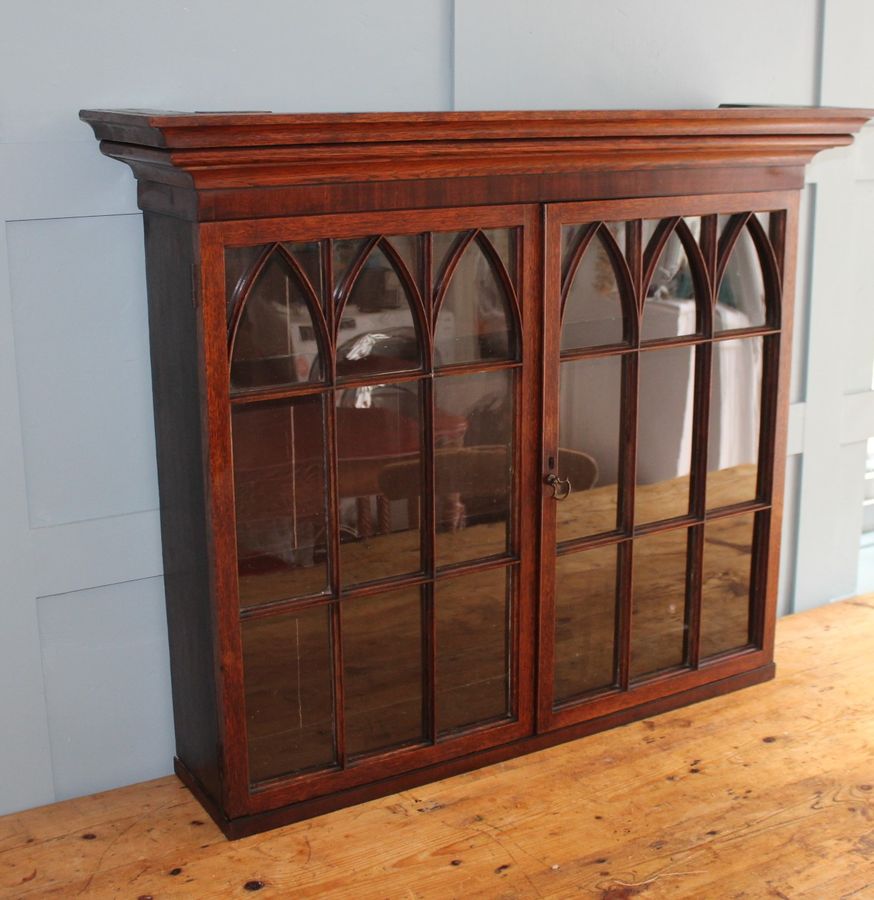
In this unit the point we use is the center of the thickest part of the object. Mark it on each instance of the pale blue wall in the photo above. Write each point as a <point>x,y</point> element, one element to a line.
<point>84,684</point>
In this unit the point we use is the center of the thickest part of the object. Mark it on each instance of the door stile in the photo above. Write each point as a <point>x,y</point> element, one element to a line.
<point>551,286</point>
<point>219,486</point>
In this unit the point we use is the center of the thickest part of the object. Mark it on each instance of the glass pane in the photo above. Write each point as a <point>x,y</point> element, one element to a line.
<point>442,245</point>
<point>383,670</point>
<point>238,263</point>
<point>570,236</point>
<point>309,257</point>
<point>740,302</point>
<point>379,450</point>
<point>475,323</point>
<point>733,444</point>
<point>377,332</point>
<point>288,677</point>
<point>504,242</point>
<point>344,253</point>
<point>409,248</point>
<point>473,665</point>
<point>276,342</point>
<point>664,442</point>
<point>670,308</point>
<point>589,418</point>
<point>280,497</point>
<point>659,602</point>
<point>585,622</point>
<point>474,423</point>
<point>725,584</point>
<point>764,219</point>
<point>593,309</point>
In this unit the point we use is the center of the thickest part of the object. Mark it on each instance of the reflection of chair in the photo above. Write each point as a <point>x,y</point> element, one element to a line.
<point>580,468</point>
<point>474,473</point>
<point>384,431</point>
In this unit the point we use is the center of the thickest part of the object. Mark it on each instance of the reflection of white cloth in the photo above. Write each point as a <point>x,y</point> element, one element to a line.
<point>667,317</point>
<point>667,386</point>
<point>590,398</point>
<point>734,413</point>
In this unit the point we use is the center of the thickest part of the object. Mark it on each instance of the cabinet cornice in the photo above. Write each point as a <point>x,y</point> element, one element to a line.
<point>239,151</point>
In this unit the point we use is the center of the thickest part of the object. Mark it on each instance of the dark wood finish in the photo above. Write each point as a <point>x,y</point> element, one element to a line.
<point>212,181</point>
<point>180,425</point>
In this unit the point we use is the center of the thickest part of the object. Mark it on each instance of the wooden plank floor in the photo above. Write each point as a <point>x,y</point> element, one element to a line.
<point>768,792</point>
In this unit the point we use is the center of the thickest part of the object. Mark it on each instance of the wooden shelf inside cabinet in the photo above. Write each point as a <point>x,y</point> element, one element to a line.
<point>472,439</point>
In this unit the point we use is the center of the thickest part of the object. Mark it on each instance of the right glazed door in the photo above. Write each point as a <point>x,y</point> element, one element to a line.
<point>663,373</point>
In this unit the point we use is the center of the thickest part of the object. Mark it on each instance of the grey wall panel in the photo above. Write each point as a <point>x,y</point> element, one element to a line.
<point>107,677</point>
<point>61,180</point>
<point>800,334</point>
<point>84,379</point>
<point>848,64</point>
<point>218,54</point>
<point>96,552</point>
<point>633,53</point>
<point>788,548</point>
<point>25,757</point>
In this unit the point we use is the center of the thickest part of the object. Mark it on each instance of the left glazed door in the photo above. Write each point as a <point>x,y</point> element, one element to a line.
<point>373,478</point>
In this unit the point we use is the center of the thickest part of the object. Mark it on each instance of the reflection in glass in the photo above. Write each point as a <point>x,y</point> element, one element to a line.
<point>309,257</point>
<point>377,329</point>
<point>379,455</point>
<point>593,309</point>
<point>383,670</point>
<point>473,668</point>
<point>670,309</point>
<point>658,602</point>
<point>740,302</point>
<point>504,242</point>
<point>473,464</point>
<point>276,341</point>
<point>664,442</point>
<point>280,497</point>
<point>344,254</point>
<point>409,248</point>
<point>725,584</point>
<point>288,681</point>
<point>475,322</point>
<point>585,622</point>
<point>733,442</point>
<point>238,263</point>
<point>589,417</point>
<point>571,235</point>
<point>442,245</point>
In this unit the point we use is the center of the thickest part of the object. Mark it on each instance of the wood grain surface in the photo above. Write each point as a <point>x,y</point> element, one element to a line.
<point>767,792</point>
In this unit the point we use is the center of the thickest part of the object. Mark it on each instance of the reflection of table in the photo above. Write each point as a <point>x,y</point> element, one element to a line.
<point>371,439</point>
<point>402,547</point>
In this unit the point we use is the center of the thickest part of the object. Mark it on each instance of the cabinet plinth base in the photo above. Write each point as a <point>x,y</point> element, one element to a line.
<point>286,815</point>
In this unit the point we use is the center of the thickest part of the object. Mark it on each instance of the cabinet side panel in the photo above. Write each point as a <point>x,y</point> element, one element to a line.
<point>176,389</point>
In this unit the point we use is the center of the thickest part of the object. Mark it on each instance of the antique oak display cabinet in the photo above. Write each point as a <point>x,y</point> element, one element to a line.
<point>470,429</point>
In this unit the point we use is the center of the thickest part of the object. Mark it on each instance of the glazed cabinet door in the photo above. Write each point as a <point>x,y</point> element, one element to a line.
<point>373,386</point>
<point>664,337</point>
